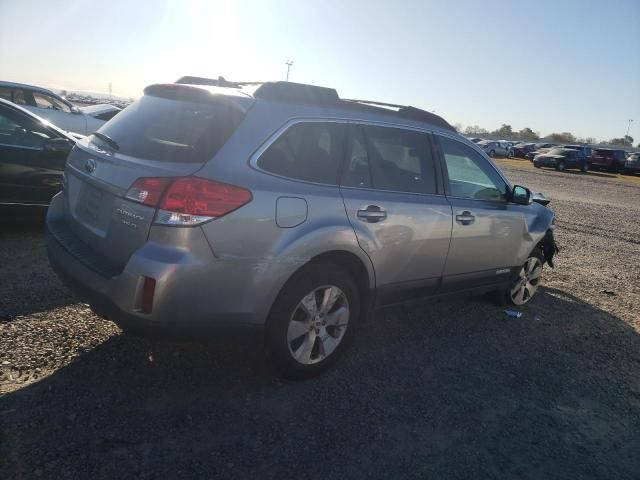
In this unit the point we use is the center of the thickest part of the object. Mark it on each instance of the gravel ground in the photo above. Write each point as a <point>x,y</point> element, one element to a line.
<point>448,389</point>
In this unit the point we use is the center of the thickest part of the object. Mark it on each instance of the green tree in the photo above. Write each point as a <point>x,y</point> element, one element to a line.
<point>626,141</point>
<point>475,130</point>
<point>504,131</point>
<point>528,134</point>
<point>564,137</point>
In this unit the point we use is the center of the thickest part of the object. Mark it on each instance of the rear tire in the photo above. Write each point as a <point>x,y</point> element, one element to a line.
<point>312,320</point>
<point>492,153</point>
<point>584,168</point>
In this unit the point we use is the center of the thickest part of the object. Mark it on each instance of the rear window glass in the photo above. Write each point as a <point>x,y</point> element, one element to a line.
<point>165,130</point>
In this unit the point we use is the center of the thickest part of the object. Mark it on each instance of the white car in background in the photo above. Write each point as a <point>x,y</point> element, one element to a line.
<point>59,111</point>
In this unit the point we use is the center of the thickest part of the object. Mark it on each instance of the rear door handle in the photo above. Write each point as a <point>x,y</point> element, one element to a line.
<point>372,214</point>
<point>465,218</point>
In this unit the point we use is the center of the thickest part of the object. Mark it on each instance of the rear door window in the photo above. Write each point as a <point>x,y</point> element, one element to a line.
<point>14,95</point>
<point>169,130</point>
<point>387,158</point>
<point>307,151</point>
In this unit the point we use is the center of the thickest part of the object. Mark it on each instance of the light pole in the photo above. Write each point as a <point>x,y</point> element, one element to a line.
<point>628,127</point>
<point>288,63</point>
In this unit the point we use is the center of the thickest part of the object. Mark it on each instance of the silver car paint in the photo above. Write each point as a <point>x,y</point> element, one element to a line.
<point>232,268</point>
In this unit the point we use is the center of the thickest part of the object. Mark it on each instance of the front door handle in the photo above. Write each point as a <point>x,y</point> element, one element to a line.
<point>372,214</point>
<point>465,218</point>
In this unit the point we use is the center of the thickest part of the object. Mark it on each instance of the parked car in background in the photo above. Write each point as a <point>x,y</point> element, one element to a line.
<point>316,207</point>
<point>32,157</point>
<point>494,149</point>
<point>507,145</point>
<point>539,148</point>
<point>612,160</point>
<point>520,150</point>
<point>632,163</point>
<point>584,151</point>
<point>475,140</point>
<point>561,159</point>
<point>59,111</point>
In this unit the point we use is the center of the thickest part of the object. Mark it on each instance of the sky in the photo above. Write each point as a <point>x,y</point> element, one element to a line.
<point>549,65</point>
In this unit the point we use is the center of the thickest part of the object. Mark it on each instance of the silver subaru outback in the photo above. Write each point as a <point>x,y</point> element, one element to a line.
<point>285,208</point>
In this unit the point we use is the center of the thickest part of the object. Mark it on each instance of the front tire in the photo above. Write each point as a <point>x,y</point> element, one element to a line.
<point>561,166</point>
<point>312,320</point>
<point>584,168</point>
<point>492,153</point>
<point>526,284</point>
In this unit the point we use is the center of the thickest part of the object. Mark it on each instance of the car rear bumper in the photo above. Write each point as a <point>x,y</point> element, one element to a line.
<point>194,291</point>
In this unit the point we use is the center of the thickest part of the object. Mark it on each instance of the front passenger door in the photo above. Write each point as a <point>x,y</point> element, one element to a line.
<point>487,230</point>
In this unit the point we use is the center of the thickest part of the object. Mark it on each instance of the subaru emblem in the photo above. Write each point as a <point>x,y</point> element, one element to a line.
<point>90,166</point>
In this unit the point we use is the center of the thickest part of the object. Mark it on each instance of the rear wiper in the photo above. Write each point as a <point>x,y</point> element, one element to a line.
<point>107,139</point>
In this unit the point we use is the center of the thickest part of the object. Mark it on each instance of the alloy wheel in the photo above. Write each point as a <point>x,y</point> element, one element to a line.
<point>528,281</point>
<point>318,324</point>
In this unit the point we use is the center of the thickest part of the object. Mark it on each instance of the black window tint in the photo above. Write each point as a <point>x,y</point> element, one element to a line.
<point>13,95</point>
<point>167,130</point>
<point>306,151</point>
<point>470,174</point>
<point>396,159</point>
<point>19,130</point>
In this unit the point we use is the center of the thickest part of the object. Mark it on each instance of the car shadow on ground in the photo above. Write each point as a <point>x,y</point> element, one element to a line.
<point>27,283</point>
<point>452,389</point>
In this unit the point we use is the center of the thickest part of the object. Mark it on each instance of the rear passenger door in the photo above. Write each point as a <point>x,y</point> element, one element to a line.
<point>394,203</point>
<point>488,231</point>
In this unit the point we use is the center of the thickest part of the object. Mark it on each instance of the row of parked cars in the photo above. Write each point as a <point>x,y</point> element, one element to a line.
<point>563,157</point>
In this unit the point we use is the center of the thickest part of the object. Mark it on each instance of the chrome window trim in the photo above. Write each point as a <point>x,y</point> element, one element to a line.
<point>255,157</point>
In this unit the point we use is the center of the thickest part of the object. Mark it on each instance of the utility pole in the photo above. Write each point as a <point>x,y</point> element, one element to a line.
<point>110,96</point>
<point>288,63</point>
<point>628,127</point>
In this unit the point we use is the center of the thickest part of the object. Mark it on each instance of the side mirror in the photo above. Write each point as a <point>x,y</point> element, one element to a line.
<point>76,110</point>
<point>521,195</point>
<point>57,145</point>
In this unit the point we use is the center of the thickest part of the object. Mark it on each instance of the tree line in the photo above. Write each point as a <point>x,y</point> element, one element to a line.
<point>528,135</point>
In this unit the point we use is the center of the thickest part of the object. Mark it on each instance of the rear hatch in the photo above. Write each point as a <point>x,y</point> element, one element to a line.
<point>170,132</point>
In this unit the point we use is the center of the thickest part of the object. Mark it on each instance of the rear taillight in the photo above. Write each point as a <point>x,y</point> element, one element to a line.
<point>188,200</point>
<point>148,190</point>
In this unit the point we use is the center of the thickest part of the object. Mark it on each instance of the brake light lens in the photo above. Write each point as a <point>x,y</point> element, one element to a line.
<point>148,190</point>
<point>188,200</point>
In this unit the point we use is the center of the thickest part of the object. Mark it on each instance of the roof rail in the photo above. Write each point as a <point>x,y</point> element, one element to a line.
<point>408,112</point>
<point>311,94</point>
<point>219,82</point>
<point>297,92</point>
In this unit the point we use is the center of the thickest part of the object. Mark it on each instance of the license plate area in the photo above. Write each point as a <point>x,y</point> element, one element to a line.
<point>92,208</point>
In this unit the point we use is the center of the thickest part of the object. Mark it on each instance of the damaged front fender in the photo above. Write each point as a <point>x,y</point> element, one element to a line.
<point>549,247</point>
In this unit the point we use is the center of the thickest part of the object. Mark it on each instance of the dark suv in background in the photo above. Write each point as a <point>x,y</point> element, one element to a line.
<point>608,159</point>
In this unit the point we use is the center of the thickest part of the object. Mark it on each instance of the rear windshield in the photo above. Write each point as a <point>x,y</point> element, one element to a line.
<point>166,130</point>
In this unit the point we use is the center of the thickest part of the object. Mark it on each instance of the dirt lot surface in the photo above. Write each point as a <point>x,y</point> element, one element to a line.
<point>450,389</point>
